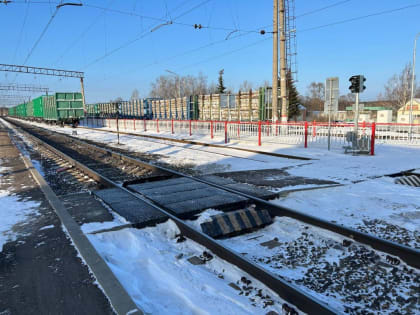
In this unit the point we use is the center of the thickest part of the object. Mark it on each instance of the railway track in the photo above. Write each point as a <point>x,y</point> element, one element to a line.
<point>114,170</point>
<point>203,144</point>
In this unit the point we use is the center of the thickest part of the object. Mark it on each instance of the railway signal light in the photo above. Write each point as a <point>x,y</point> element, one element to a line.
<point>357,83</point>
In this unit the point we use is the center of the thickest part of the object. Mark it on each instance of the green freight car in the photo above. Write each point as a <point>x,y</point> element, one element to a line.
<point>21,110</point>
<point>63,108</point>
<point>35,108</point>
<point>57,108</point>
<point>12,111</point>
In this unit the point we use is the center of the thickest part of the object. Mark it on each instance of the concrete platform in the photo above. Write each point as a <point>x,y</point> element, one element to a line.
<point>40,270</point>
<point>139,213</point>
<point>185,197</point>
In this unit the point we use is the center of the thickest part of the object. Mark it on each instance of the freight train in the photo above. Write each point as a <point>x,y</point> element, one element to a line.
<point>59,108</point>
<point>147,108</point>
<point>138,108</point>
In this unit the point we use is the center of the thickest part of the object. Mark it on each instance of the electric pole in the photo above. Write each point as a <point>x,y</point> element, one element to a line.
<point>275,89</point>
<point>283,65</point>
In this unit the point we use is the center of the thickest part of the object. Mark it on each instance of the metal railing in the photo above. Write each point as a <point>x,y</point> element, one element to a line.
<point>307,134</point>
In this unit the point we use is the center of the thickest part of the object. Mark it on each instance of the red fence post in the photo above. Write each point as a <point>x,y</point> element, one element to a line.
<point>306,134</point>
<point>226,139</point>
<point>259,132</point>
<point>172,125</point>
<point>314,129</point>
<point>157,125</point>
<point>211,129</point>
<point>239,127</point>
<point>190,128</point>
<point>372,140</point>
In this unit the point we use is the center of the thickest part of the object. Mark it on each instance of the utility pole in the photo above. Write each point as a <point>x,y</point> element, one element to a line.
<point>275,115</point>
<point>283,64</point>
<point>83,94</point>
<point>412,85</point>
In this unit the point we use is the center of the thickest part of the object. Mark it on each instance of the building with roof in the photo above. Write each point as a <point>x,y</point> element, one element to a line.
<point>403,115</point>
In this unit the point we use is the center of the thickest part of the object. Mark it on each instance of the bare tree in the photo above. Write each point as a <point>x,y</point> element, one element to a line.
<point>346,100</point>
<point>398,88</point>
<point>314,100</point>
<point>246,86</point>
<point>212,89</point>
<point>169,86</point>
<point>135,94</point>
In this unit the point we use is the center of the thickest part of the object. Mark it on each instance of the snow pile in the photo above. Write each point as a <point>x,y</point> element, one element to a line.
<point>154,269</point>
<point>351,204</point>
<point>358,204</point>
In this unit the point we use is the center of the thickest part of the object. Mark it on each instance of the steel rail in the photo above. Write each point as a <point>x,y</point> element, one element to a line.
<point>409,255</point>
<point>285,290</point>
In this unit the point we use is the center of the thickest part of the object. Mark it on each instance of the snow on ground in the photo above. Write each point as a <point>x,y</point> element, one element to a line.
<point>206,160</point>
<point>353,205</point>
<point>349,277</point>
<point>153,267</point>
<point>344,168</point>
<point>13,211</point>
<point>329,165</point>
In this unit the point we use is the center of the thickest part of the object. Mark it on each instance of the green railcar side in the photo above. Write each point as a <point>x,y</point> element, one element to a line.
<point>21,110</point>
<point>38,106</point>
<point>69,106</point>
<point>30,109</point>
<point>64,107</point>
<point>12,111</point>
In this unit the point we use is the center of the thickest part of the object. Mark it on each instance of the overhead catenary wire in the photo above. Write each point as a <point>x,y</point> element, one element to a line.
<point>42,34</point>
<point>360,17</point>
<point>165,20</point>
<point>298,31</point>
<point>82,35</point>
<point>139,36</point>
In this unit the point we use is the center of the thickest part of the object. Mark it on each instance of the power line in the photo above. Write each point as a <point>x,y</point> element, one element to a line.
<point>360,17</point>
<point>172,21</point>
<point>72,45</point>
<point>140,36</point>
<point>323,8</point>
<point>304,30</point>
<point>225,54</point>
<point>42,33</point>
<point>21,31</point>
<point>197,49</point>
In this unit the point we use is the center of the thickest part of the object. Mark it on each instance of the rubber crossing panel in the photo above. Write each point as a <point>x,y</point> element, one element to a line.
<point>132,209</point>
<point>235,222</point>
<point>185,197</point>
<point>245,188</point>
<point>410,180</point>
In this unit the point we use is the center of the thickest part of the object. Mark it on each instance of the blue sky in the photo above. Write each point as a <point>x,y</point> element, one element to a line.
<point>119,53</point>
